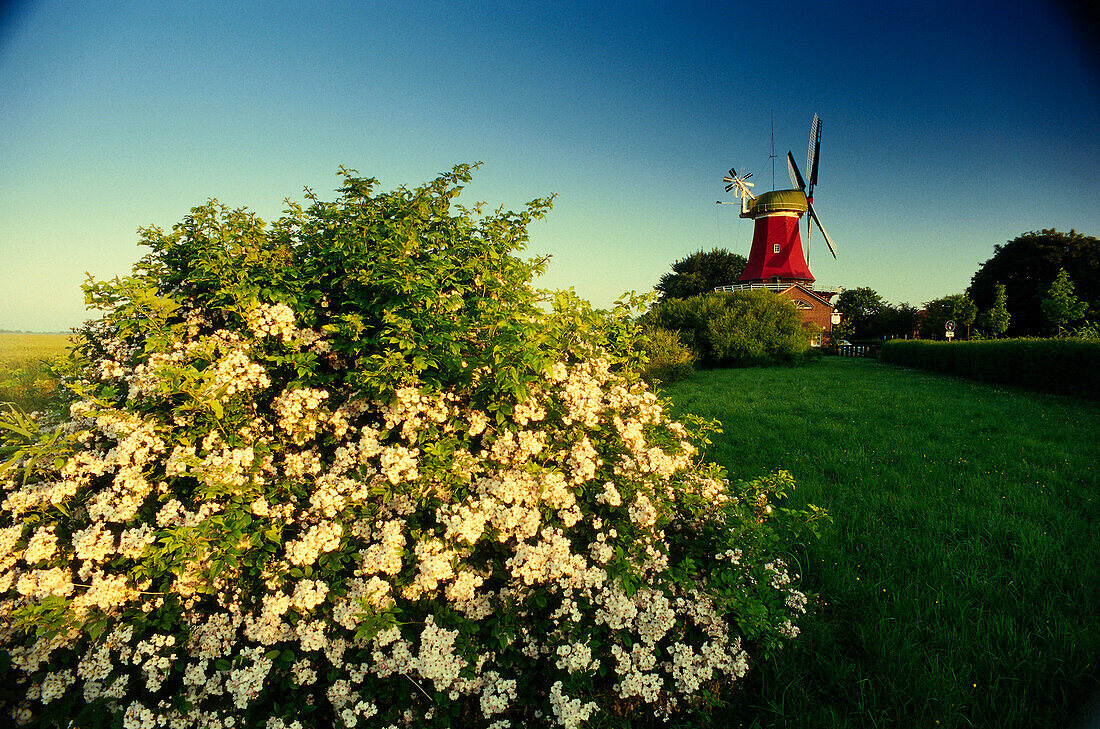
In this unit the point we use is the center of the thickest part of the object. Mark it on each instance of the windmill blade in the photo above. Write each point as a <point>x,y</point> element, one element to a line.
<point>828,240</point>
<point>812,152</point>
<point>796,177</point>
<point>732,181</point>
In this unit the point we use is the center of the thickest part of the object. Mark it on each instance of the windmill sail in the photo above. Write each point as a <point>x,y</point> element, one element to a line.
<point>796,177</point>
<point>812,152</point>
<point>828,240</point>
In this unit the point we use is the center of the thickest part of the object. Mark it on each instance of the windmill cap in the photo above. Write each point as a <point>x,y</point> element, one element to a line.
<point>778,201</point>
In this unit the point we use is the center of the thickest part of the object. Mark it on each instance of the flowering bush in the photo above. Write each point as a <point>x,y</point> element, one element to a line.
<point>345,470</point>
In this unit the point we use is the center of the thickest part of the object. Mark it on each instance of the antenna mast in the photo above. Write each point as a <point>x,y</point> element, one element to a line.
<point>772,155</point>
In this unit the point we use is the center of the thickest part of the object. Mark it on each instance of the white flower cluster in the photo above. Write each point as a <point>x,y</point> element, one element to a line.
<point>576,657</point>
<point>41,546</point>
<point>235,373</point>
<point>570,713</point>
<point>459,520</point>
<point>642,511</point>
<point>323,537</point>
<point>399,464</point>
<point>299,412</point>
<point>272,320</point>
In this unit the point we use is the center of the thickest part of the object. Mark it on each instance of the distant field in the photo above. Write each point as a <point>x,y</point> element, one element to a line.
<point>960,574</point>
<point>25,376</point>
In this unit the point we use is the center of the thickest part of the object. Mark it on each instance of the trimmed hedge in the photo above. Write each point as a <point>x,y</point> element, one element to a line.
<point>1064,366</point>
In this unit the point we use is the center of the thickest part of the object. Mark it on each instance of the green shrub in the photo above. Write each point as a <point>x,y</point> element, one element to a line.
<point>1066,366</point>
<point>346,470</point>
<point>1088,330</point>
<point>29,383</point>
<point>736,329</point>
<point>28,368</point>
<point>668,359</point>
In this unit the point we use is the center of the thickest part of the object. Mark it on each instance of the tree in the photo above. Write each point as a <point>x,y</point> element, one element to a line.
<point>997,318</point>
<point>860,310</point>
<point>899,321</point>
<point>957,308</point>
<point>1061,306</point>
<point>735,329</point>
<point>700,273</point>
<point>353,468</point>
<point>1027,265</point>
<point>844,331</point>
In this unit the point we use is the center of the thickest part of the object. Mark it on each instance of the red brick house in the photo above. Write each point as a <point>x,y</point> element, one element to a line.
<point>814,309</point>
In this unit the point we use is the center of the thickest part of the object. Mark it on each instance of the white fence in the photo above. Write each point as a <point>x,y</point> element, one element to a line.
<point>773,286</point>
<point>856,350</point>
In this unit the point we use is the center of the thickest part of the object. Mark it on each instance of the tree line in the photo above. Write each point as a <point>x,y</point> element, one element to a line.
<point>1041,283</point>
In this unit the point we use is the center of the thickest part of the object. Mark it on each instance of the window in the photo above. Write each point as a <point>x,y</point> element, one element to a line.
<point>775,248</point>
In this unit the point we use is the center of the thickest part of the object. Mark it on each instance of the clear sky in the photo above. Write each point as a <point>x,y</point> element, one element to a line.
<point>947,127</point>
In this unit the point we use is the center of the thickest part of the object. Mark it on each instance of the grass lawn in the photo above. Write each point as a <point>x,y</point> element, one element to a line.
<point>960,577</point>
<point>25,377</point>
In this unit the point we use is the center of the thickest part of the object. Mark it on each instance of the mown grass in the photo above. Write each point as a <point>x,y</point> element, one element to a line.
<point>960,577</point>
<point>26,377</point>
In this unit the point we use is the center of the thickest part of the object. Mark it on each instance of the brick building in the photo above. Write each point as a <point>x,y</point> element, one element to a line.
<point>814,309</point>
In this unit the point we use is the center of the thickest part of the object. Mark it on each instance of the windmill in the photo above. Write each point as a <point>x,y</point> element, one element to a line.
<point>776,257</point>
<point>744,189</point>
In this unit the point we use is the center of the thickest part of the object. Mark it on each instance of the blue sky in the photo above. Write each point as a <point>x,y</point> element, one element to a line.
<point>948,128</point>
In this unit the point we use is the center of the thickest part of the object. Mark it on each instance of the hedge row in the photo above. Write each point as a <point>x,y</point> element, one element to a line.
<point>1065,366</point>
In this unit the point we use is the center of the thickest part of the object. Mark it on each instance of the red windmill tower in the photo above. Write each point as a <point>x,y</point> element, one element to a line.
<point>777,260</point>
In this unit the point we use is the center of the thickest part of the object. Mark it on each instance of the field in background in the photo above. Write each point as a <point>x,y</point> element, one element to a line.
<point>960,573</point>
<point>25,376</point>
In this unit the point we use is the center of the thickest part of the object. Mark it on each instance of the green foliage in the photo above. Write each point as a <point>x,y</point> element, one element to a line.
<point>701,273</point>
<point>957,308</point>
<point>1069,367</point>
<point>1088,330</point>
<point>1027,265</point>
<point>865,316</point>
<point>668,360</point>
<point>351,467</point>
<point>899,321</point>
<point>861,310</point>
<point>29,368</point>
<point>997,319</point>
<point>1061,305</point>
<point>737,329</point>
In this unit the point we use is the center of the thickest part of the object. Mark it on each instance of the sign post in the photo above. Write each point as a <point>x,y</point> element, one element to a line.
<point>949,329</point>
